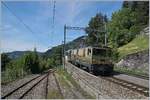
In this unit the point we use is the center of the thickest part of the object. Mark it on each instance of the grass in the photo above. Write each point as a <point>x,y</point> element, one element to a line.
<point>65,78</point>
<point>54,95</point>
<point>130,71</point>
<point>140,43</point>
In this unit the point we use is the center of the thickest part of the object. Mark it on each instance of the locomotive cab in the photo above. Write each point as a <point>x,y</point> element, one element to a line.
<point>101,60</point>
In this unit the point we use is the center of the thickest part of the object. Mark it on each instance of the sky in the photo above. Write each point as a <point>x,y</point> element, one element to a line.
<point>37,16</point>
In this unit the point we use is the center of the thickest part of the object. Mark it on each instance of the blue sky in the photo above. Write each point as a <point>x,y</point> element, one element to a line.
<point>38,16</point>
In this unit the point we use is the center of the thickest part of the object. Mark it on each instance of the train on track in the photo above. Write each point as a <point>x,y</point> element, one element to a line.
<point>96,60</point>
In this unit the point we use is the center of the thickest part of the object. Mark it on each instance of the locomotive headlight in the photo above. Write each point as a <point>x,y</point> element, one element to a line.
<point>94,60</point>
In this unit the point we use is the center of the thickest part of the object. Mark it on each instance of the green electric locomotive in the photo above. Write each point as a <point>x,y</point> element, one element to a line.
<point>93,59</point>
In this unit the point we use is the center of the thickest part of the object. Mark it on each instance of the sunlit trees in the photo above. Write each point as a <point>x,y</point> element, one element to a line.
<point>4,60</point>
<point>141,8</point>
<point>119,27</point>
<point>126,23</point>
<point>96,23</point>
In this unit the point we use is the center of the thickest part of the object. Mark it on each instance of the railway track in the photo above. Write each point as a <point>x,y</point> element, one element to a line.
<point>129,85</point>
<point>58,85</point>
<point>25,88</point>
<point>134,75</point>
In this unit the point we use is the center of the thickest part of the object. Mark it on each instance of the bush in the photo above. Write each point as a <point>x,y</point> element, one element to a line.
<point>4,60</point>
<point>30,63</point>
<point>14,69</point>
<point>115,54</point>
<point>135,29</point>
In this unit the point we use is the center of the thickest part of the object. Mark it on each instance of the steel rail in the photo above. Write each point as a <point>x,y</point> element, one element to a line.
<point>47,81</point>
<point>50,71</point>
<point>21,97</point>
<point>132,86</point>
<point>8,94</point>
<point>134,75</point>
<point>57,83</point>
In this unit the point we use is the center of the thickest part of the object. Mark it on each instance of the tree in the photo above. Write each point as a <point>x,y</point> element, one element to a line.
<point>32,62</point>
<point>4,60</point>
<point>96,23</point>
<point>128,22</point>
<point>119,27</point>
<point>126,4</point>
<point>141,8</point>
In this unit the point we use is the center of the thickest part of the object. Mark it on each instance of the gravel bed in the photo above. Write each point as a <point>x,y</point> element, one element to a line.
<point>53,92</point>
<point>13,85</point>
<point>113,91</point>
<point>132,79</point>
<point>65,90</point>
<point>107,89</point>
<point>19,92</point>
<point>38,92</point>
<point>77,91</point>
<point>71,91</point>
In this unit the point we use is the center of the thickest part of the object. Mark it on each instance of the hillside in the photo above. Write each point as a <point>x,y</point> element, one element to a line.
<point>73,44</point>
<point>140,43</point>
<point>79,42</point>
<point>17,54</point>
<point>134,56</point>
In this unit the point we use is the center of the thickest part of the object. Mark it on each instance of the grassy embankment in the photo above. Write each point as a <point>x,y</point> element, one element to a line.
<point>140,43</point>
<point>67,81</point>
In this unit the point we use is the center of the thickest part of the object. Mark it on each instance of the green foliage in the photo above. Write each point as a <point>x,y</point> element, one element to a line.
<point>141,42</point>
<point>54,58</point>
<point>14,69</point>
<point>135,72</point>
<point>30,63</point>
<point>119,27</point>
<point>135,29</point>
<point>96,23</point>
<point>115,54</point>
<point>141,8</point>
<point>128,22</point>
<point>68,81</point>
<point>4,60</point>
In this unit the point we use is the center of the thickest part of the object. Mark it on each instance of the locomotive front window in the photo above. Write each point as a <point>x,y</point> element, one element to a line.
<point>102,52</point>
<point>99,52</point>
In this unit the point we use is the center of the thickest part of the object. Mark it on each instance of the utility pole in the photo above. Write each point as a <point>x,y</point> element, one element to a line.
<point>105,33</point>
<point>77,28</point>
<point>64,46</point>
<point>62,53</point>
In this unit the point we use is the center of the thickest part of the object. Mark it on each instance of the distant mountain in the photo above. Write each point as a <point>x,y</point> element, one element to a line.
<point>17,54</point>
<point>76,43</point>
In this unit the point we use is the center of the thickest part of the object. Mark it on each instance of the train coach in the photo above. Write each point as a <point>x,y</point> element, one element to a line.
<point>96,60</point>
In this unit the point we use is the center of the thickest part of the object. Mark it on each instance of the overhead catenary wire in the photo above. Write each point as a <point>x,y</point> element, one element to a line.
<point>26,26</point>
<point>19,19</point>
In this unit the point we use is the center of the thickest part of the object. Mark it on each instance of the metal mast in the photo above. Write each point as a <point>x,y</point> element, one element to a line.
<point>76,28</point>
